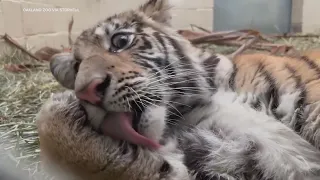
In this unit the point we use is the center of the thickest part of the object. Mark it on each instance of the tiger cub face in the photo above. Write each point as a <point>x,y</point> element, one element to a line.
<point>133,71</point>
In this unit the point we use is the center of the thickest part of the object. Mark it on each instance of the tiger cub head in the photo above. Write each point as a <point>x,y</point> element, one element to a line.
<point>133,72</point>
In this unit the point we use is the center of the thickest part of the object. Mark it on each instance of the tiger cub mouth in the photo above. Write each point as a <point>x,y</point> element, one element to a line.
<point>124,126</point>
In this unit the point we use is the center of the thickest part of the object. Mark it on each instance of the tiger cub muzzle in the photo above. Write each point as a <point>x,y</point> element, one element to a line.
<point>102,82</point>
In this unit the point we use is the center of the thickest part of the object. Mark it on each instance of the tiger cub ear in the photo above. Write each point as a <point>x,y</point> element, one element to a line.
<point>64,68</point>
<point>159,10</point>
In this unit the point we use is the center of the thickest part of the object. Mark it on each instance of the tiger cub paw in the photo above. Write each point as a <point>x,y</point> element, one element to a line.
<point>63,107</point>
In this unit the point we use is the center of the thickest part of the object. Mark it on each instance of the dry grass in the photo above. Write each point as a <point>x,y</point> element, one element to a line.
<point>300,44</point>
<point>22,94</point>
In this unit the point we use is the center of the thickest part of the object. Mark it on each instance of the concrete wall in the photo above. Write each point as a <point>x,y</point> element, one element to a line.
<point>311,15</point>
<point>296,15</point>
<point>37,29</point>
<point>305,16</point>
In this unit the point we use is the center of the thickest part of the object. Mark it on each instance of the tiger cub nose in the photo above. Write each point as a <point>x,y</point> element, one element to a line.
<point>95,90</point>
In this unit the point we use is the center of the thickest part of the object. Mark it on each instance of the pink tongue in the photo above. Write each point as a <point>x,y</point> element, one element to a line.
<point>119,126</point>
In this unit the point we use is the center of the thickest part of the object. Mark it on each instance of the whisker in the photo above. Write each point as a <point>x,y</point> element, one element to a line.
<point>151,100</point>
<point>180,72</point>
<point>138,95</point>
<point>173,102</point>
<point>163,79</point>
<point>162,69</point>
<point>191,89</point>
<point>180,116</point>
<point>129,105</point>
<point>150,84</point>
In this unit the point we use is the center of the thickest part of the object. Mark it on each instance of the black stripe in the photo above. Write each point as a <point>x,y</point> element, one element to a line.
<point>168,66</point>
<point>256,104</point>
<point>162,64</point>
<point>139,28</point>
<point>175,111</point>
<point>125,87</point>
<point>272,91</point>
<point>161,41</point>
<point>178,49</point>
<point>116,25</point>
<point>158,61</point>
<point>145,64</point>
<point>311,80</point>
<point>210,65</point>
<point>186,64</point>
<point>300,104</point>
<point>197,153</point>
<point>194,157</point>
<point>125,148</point>
<point>185,109</point>
<point>165,169</point>
<point>135,42</point>
<point>151,2</point>
<point>312,65</point>
<point>179,52</point>
<point>107,31</point>
<point>244,78</point>
<point>232,84</point>
<point>202,175</point>
<point>146,44</point>
<point>257,71</point>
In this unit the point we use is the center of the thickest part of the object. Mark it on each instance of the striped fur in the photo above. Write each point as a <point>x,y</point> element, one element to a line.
<point>216,118</point>
<point>291,86</point>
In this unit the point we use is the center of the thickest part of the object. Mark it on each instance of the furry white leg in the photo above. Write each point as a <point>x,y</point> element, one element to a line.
<point>277,151</point>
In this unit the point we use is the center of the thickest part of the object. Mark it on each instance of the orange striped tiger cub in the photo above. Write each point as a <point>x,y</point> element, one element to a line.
<point>291,87</point>
<point>145,104</point>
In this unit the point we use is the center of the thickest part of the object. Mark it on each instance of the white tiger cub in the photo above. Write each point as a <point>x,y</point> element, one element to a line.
<point>161,109</point>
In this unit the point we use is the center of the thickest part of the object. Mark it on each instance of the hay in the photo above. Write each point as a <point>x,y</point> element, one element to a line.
<point>300,44</point>
<point>22,94</point>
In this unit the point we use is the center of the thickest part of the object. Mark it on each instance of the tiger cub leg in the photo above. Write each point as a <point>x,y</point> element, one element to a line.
<point>278,152</point>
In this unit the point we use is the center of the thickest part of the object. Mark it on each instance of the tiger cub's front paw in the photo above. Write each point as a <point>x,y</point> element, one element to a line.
<point>63,107</point>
